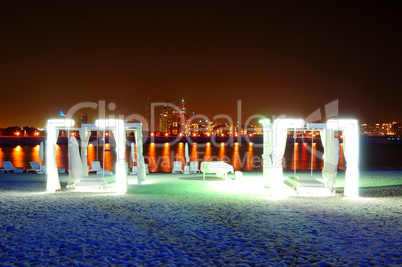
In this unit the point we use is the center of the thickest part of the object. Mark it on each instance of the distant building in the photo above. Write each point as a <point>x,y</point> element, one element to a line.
<point>83,119</point>
<point>148,114</point>
<point>381,129</point>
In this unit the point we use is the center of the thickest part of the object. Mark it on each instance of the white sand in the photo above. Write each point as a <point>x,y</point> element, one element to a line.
<point>182,220</point>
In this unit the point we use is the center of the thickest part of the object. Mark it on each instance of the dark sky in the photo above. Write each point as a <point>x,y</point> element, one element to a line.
<point>277,58</point>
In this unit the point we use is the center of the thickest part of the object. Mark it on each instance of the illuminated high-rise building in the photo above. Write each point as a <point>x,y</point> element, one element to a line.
<point>83,119</point>
<point>148,114</point>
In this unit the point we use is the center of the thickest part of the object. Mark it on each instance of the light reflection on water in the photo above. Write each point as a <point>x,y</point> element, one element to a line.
<point>160,157</point>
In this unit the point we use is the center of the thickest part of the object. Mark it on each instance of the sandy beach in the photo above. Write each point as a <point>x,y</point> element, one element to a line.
<point>180,220</point>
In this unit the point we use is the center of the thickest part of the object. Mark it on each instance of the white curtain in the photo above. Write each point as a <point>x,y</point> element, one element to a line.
<point>120,140</point>
<point>267,155</point>
<point>76,170</point>
<point>85,134</point>
<point>323,137</point>
<point>331,159</point>
<point>279,145</point>
<point>55,170</point>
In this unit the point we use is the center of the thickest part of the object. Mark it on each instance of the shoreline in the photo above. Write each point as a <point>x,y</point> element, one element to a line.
<point>32,140</point>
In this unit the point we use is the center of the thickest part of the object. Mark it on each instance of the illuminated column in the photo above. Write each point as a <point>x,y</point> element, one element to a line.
<point>53,182</point>
<point>141,176</point>
<point>267,150</point>
<point>121,174</point>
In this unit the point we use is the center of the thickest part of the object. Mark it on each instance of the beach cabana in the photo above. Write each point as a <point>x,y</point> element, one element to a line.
<point>118,128</point>
<point>275,137</point>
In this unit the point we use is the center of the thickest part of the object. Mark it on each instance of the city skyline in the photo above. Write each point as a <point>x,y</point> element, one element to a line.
<point>276,58</point>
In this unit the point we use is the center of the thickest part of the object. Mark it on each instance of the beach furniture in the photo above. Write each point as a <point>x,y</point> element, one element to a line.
<point>194,167</point>
<point>146,168</point>
<point>134,169</point>
<point>36,167</point>
<point>220,168</point>
<point>177,167</point>
<point>8,166</point>
<point>96,167</point>
<point>40,169</point>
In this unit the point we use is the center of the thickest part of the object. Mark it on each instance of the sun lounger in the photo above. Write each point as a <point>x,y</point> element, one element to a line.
<point>134,169</point>
<point>194,167</point>
<point>40,169</point>
<point>177,167</point>
<point>96,167</point>
<point>36,167</point>
<point>146,168</point>
<point>8,166</point>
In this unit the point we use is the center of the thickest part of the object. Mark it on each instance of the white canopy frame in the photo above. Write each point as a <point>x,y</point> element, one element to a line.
<point>275,136</point>
<point>117,126</point>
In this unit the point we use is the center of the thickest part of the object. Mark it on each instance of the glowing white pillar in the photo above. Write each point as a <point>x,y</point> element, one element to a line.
<point>267,150</point>
<point>121,174</point>
<point>141,172</point>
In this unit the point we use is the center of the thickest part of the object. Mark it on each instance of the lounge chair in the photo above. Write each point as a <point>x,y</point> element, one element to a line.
<point>36,167</point>
<point>194,167</point>
<point>96,167</point>
<point>134,169</point>
<point>146,168</point>
<point>8,166</point>
<point>126,167</point>
<point>177,167</point>
<point>40,169</point>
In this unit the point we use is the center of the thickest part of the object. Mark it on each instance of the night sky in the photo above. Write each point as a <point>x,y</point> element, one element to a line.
<point>277,58</point>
